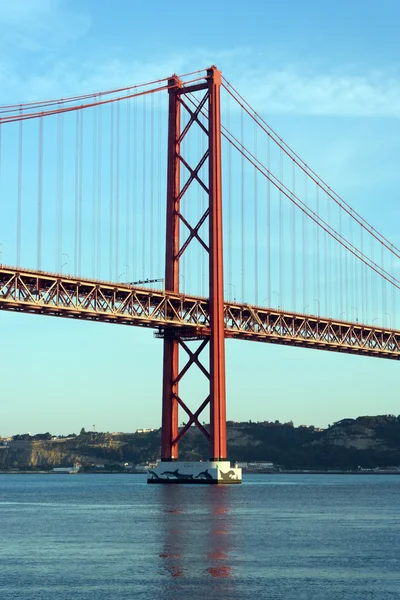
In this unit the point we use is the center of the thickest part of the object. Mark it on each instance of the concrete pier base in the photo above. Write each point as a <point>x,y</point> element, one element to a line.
<point>204,472</point>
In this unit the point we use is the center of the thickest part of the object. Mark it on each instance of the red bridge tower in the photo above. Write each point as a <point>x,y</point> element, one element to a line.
<point>217,470</point>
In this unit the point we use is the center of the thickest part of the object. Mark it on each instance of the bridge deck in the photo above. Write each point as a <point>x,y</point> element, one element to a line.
<point>36,292</point>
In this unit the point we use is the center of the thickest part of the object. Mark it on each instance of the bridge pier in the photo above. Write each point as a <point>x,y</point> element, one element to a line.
<point>202,472</point>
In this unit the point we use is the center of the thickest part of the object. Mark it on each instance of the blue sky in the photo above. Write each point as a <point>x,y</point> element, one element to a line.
<point>325,75</point>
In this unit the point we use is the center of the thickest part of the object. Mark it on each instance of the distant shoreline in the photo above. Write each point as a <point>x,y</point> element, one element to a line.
<point>277,473</point>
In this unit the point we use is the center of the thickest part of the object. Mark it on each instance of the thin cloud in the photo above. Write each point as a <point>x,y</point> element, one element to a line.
<point>22,12</point>
<point>292,89</point>
<point>69,75</point>
<point>375,94</point>
<point>48,26</point>
<point>39,25</point>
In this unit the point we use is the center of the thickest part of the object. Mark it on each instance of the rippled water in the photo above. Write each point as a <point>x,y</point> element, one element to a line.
<point>275,537</point>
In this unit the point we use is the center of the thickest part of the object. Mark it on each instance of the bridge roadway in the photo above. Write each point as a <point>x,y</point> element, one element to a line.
<point>42,293</point>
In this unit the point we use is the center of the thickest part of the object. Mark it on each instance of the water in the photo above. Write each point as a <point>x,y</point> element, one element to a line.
<point>114,537</point>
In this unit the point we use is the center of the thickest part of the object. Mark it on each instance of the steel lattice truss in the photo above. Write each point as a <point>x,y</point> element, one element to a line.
<point>186,317</point>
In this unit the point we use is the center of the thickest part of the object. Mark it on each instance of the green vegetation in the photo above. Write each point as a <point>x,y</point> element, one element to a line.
<point>366,442</point>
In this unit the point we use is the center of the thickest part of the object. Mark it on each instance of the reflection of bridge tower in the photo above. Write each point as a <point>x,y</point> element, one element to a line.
<point>197,541</point>
<point>174,339</point>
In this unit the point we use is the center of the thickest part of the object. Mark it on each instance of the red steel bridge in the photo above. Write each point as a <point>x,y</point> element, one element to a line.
<point>251,244</point>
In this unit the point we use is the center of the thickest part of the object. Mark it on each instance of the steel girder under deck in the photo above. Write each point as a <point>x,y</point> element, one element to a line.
<point>36,292</point>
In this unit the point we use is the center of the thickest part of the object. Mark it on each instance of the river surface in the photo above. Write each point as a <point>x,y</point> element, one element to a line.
<point>289,537</point>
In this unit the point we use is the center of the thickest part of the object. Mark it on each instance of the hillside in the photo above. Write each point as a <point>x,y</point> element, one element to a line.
<point>366,442</point>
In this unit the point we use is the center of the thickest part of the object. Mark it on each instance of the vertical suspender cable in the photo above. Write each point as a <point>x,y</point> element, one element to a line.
<point>77,114</point>
<point>134,190</point>
<point>356,270</point>
<point>317,291</point>
<point>255,218</point>
<point>143,232</point>
<point>159,236</point>
<point>364,299</point>
<point>242,205</point>
<point>117,173</point>
<point>1,144</point>
<point>338,262</point>
<point>305,245</point>
<point>1,153</point>
<point>94,183</point>
<point>280,298</point>
<point>19,207</point>
<point>111,207</point>
<point>358,284</point>
<point>331,283</point>
<point>269,223</point>
<point>394,291</point>
<point>60,190</point>
<point>99,187</point>
<point>293,246</point>
<point>326,286</point>
<point>352,272</point>
<point>128,188</point>
<point>152,158</point>
<point>340,286</point>
<point>374,307</point>
<point>383,287</point>
<point>347,304</point>
<point>40,197</point>
<point>80,194</point>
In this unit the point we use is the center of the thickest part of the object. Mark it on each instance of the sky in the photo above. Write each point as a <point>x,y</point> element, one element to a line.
<point>325,76</point>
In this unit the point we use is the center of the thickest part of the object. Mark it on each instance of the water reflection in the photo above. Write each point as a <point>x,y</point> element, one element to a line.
<point>220,528</point>
<point>172,538</point>
<point>197,539</point>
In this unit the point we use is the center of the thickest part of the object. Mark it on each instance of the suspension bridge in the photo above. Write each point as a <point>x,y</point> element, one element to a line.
<point>251,243</point>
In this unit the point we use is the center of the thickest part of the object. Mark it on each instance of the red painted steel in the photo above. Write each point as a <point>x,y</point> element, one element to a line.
<point>63,296</point>
<point>169,448</point>
<point>217,342</point>
<point>173,340</point>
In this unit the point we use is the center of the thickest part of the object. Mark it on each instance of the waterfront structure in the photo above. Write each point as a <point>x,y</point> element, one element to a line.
<point>202,472</point>
<point>66,470</point>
